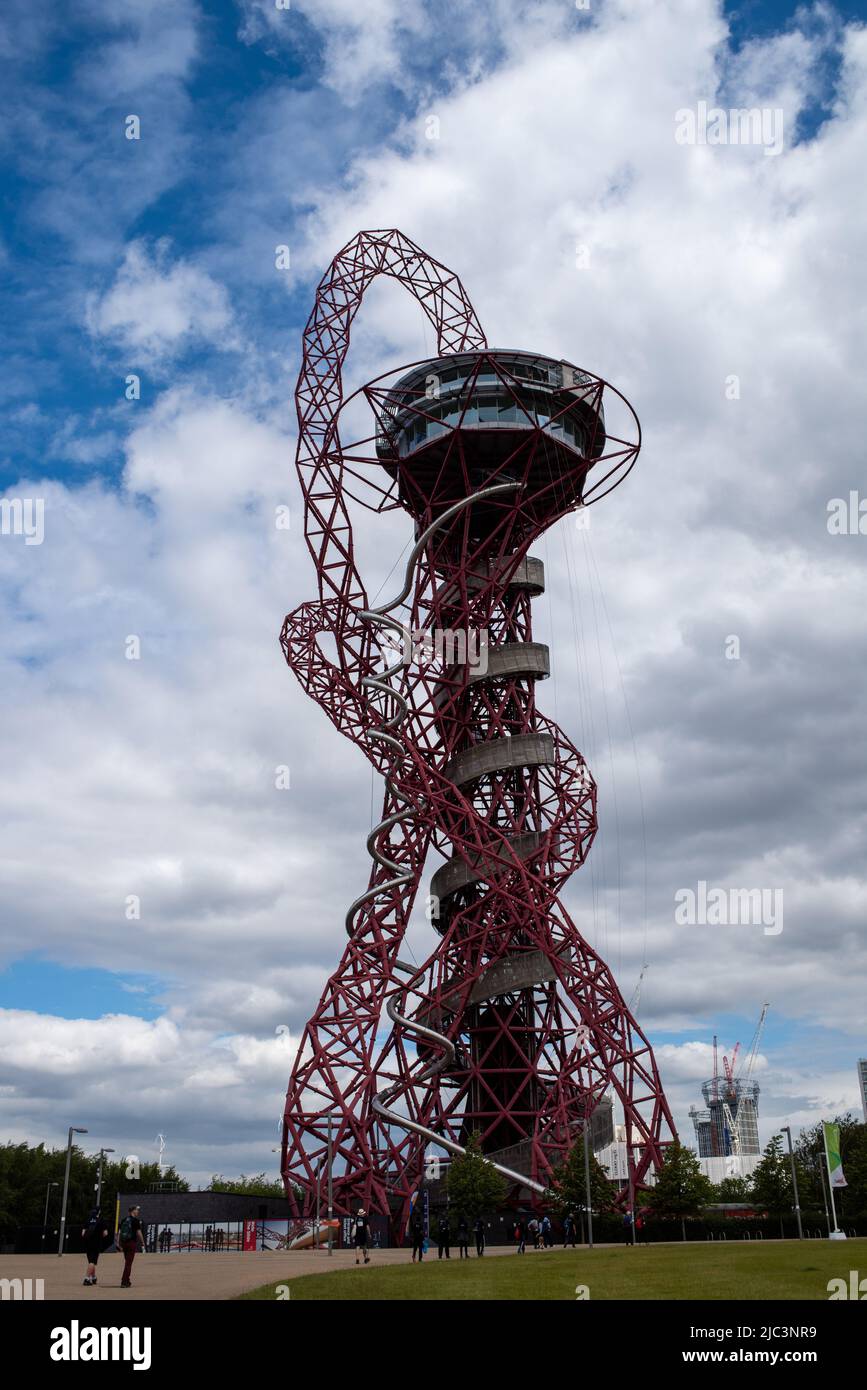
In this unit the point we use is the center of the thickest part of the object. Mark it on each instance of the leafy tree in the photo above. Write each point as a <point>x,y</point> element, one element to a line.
<point>26,1170</point>
<point>851,1200</point>
<point>474,1186</point>
<point>733,1190</point>
<point>569,1189</point>
<point>258,1186</point>
<point>681,1188</point>
<point>772,1180</point>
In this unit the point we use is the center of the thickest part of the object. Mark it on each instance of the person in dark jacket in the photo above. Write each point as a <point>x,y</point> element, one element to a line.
<point>131,1241</point>
<point>416,1227</point>
<point>361,1236</point>
<point>463,1239</point>
<point>520,1237</point>
<point>628,1228</point>
<point>95,1236</point>
<point>479,1230</point>
<point>569,1230</point>
<point>443,1237</point>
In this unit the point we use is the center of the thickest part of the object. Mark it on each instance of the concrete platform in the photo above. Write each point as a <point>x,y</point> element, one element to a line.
<point>193,1276</point>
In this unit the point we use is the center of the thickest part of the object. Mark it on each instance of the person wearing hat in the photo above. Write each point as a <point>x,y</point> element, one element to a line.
<point>362,1236</point>
<point>94,1235</point>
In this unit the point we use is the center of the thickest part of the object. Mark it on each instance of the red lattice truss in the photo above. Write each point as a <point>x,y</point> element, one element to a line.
<point>525,1067</point>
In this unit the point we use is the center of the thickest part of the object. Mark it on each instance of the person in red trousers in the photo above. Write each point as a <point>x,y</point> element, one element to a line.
<point>131,1241</point>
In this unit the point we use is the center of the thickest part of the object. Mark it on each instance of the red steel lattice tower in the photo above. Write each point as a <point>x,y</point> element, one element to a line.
<point>513,1028</point>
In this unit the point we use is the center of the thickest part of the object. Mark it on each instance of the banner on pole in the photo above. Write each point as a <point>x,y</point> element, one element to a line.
<point>832,1153</point>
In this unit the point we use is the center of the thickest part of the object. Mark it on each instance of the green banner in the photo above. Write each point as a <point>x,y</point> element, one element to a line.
<point>832,1153</point>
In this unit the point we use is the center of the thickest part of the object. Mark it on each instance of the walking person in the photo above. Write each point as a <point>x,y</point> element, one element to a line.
<point>131,1241</point>
<point>479,1230</point>
<point>416,1227</point>
<point>520,1237</point>
<point>547,1233</point>
<point>640,1231</point>
<point>533,1232</point>
<point>361,1236</point>
<point>443,1237</point>
<point>463,1239</point>
<point>94,1235</point>
<point>569,1230</point>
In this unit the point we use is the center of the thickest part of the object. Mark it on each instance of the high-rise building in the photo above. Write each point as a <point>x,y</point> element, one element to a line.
<point>862,1082</point>
<point>729,1123</point>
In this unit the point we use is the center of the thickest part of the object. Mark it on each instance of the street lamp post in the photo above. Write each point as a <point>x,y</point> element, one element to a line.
<point>587,1200</point>
<point>318,1208</point>
<point>330,1189</point>
<point>788,1134</point>
<point>102,1154</point>
<point>45,1217</point>
<point>821,1165</point>
<point>72,1130</point>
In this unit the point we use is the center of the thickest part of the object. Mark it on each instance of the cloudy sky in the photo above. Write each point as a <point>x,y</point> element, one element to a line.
<point>532,146</point>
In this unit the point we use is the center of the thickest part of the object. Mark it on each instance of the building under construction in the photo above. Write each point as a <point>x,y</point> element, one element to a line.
<point>730,1122</point>
<point>728,1126</point>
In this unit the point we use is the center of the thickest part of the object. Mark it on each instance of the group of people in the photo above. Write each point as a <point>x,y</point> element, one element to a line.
<point>539,1233</point>
<point>361,1237</point>
<point>444,1236</point>
<point>131,1238</point>
<point>97,1237</point>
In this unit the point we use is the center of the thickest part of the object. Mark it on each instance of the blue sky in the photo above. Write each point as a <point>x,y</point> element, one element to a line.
<point>75,192</point>
<point>156,257</point>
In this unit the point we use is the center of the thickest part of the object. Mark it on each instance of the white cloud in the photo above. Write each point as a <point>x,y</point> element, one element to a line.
<point>363,44</point>
<point>157,307</point>
<point>157,777</point>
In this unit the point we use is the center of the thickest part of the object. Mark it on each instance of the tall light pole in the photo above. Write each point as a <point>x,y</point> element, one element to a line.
<point>330,1191</point>
<point>788,1134</point>
<point>587,1202</point>
<point>72,1130</point>
<point>45,1217</point>
<point>318,1208</point>
<point>102,1154</point>
<point>821,1163</point>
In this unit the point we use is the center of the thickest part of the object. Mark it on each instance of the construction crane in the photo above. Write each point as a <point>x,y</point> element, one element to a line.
<point>730,1066</point>
<point>714,1134</point>
<point>636,993</point>
<point>739,1084</point>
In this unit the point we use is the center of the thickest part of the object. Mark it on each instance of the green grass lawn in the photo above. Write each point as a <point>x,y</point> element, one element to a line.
<point>742,1270</point>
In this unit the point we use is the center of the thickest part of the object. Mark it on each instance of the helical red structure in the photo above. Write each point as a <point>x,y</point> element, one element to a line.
<point>513,1028</point>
